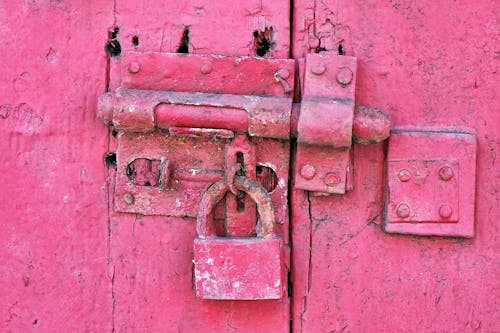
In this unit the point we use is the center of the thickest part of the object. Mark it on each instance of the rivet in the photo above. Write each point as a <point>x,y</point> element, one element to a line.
<point>403,210</point>
<point>344,76</point>
<point>445,211</point>
<point>404,175</point>
<point>308,171</point>
<point>206,68</point>
<point>446,173</point>
<point>332,179</point>
<point>318,68</point>
<point>128,198</point>
<point>283,73</point>
<point>313,43</point>
<point>134,67</point>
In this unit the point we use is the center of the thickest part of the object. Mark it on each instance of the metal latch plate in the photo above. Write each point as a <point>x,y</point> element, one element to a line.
<point>193,164</point>
<point>431,183</point>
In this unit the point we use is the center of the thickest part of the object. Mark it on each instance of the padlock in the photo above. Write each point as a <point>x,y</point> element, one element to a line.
<point>238,268</point>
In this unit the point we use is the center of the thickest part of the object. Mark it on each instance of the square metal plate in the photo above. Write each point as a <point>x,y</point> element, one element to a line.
<point>431,180</point>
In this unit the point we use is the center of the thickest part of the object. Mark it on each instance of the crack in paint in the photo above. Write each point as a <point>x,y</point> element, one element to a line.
<point>108,195</point>
<point>309,273</point>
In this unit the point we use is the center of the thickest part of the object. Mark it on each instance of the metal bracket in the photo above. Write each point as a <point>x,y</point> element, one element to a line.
<point>431,183</point>
<point>328,122</point>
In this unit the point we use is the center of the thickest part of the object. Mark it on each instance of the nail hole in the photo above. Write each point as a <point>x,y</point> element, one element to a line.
<point>341,49</point>
<point>135,41</point>
<point>113,48</point>
<point>113,33</point>
<point>110,159</point>
<point>184,44</point>
<point>263,41</point>
<point>114,133</point>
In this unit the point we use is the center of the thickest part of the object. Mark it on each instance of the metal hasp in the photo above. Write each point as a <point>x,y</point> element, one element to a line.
<point>431,178</point>
<point>179,117</point>
<point>328,123</point>
<point>193,127</point>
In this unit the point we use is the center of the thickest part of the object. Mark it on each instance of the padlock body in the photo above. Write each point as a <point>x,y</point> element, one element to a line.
<point>238,268</point>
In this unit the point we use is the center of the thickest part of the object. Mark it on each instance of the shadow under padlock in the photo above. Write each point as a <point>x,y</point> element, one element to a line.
<point>242,268</point>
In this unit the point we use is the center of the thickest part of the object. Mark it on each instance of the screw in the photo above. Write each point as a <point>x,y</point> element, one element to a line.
<point>283,73</point>
<point>344,76</point>
<point>403,210</point>
<point>134,67</point>
<point>313,43</point>
<point>308,171</point>
<point>128,198</point>
<point>404,175</point>
<point>318,68</point>
<point>332,179</point>
<point>446,173</point>
<point>445,211</point>
<point>206,68</point>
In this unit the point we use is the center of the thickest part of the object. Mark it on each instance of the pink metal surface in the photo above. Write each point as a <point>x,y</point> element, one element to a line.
<point>431,183</point>
<point>207,73</point>
<point>70,263</point>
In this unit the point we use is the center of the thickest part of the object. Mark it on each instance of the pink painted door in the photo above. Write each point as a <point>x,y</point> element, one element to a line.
<point>432,65</point>
<point>97,224</point>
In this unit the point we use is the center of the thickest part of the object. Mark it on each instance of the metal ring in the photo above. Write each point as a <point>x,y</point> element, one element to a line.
<point>215,193</point>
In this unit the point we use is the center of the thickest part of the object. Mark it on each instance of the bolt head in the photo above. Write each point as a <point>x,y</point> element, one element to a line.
<point>128,198</point>
<point>344,76</point>
<point>404,175</point>
<point>134,67</point>
<point>318,69</point>
<point>403,210</point>
<point>283,73</point>
<point>313,43</point>
<point>445,211</point>
<point>332,179</point>
<point>446,173</point>
<point>308,171</point>
<point>206,68</point>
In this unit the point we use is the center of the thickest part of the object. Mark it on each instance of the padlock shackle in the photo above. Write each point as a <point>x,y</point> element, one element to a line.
<point>217,191</point>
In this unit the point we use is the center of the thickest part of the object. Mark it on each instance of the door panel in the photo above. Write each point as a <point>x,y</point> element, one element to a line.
<point>152,255</point>
<point>431,65</point>
<point>53,211</point>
